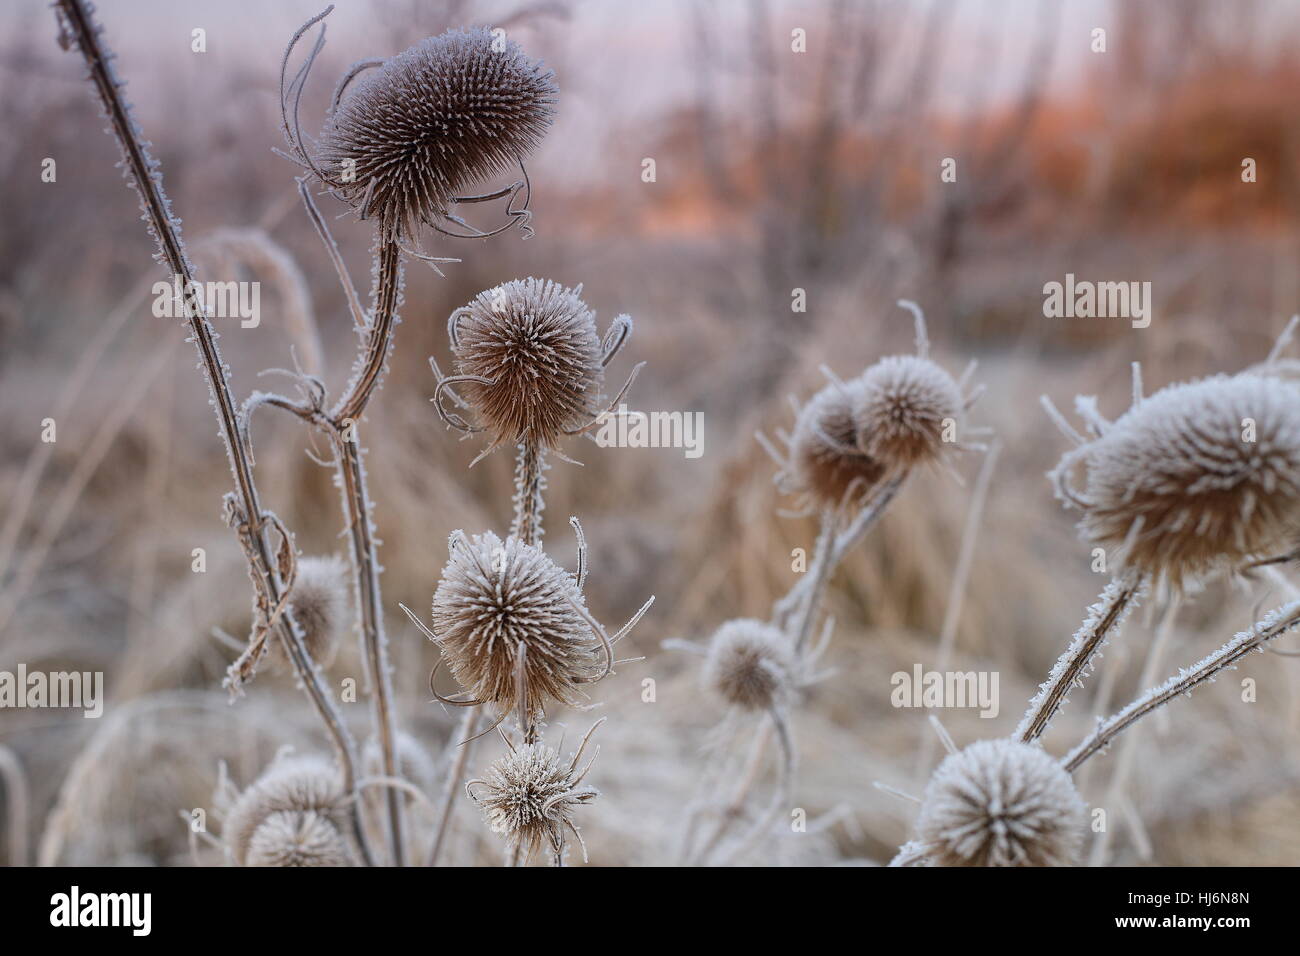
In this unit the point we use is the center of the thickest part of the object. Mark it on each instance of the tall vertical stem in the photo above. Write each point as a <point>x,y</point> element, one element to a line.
<point>144,175</point>
<point>357,509</point>
<point>374,642</point>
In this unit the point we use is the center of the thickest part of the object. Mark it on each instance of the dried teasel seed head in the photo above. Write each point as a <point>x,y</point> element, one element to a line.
<point>825,464</point>
<point>536,342</point>
<point>451,111</point>
<point>307,838</point>
<point>750,664</point>
<point>321,605</point>
<point>1001,803</point>
<point>500,599</point>
<point>294,814</point>
<point>1197,476</point>
<point>529,795</point>
<point>903,408</point>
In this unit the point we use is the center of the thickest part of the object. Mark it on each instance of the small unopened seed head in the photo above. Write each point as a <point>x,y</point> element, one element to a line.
<point>536,342</point>
<point>529,795</point>
<point>449,112</point>
<point>826,464</point>
<point>321,606</point>
<point>1195,477</point>
<point>1001,803</point>
<point>750,664</point>
<point>292,815</point>
<point>500,599</point>
<point>905,404</point>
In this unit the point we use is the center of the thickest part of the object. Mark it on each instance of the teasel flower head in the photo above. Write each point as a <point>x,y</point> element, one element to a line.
<point>1199,476</point>
<point>321,607</point>
<point>826,467</point>
<point>530,795</point>
<point>750,664</point>
<point>530,362</point>
<point>909,410</point>
<point>294,814</point>
<point>418,129</point>
<point>905,405</point>
<point>1001,803</point>
<point>513,626</point>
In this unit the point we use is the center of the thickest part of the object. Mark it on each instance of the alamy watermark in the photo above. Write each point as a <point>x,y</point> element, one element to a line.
<point>218,300</point>
<point>22,689</point>
<point>630,429</point>
<point>936,689</point>
<point>1073,299</point>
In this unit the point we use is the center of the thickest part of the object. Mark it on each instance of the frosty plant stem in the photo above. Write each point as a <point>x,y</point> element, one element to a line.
<point>1105,616</point>
<point>530,483</point>
<point>350,468</point>
<point>142,171</point>
<point>1279,622</point>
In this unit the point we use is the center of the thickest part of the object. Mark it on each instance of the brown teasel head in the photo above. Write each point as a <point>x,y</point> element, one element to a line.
<point>414,133</point>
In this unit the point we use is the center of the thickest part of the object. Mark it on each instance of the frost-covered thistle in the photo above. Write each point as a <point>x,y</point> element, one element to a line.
<point>1199,476</point>
<point>514,629</point>
<point>750,664</point>
<point>449,112</point>
<point>908,407</point>
<point>909,410</point>
<point>826,467</point>
<point>321,606</point>
<point>530,795</point>
<point>1001,803</point>
<point>530,359</point>
<point>294,814</point>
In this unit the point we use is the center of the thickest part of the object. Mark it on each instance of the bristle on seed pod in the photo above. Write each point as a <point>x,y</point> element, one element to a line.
<point>750,664</point>
<point>907,412</point>
<point>1196,477</point>
<point>531,360</point>
<point>826,466</point>
<point>414,133</point>
<point>1001,803</point>
<point>508,621</point>
<point>294,814</point>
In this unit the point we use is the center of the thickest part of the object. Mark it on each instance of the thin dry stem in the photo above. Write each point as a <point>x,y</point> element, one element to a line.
<point>148,182</point>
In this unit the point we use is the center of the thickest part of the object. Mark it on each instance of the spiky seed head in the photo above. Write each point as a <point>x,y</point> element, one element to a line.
<point>297,839</point>
<point>903,407</point>
<point>750,664</point>
<point>529,795</point>
<point>293,815</point>
<point>1001,803</point>
<point>498,599</point>
<point>826,464</point>
<point>321,606</point>
<point>445,114</point>
<point>536,341</point>
<point>1197,476</point>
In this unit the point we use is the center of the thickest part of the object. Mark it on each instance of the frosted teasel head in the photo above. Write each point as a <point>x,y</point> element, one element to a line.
<point>824,467</point>
<point>909,411</point>
<point>530,363</point>
<point>530,795</point>
<point>514,628</point>
<point>407,135</point>
<point>1000,803</point>
<point>750,665</point>
<point>321,607</point>
<point>1198,477</point>
<point>294,814</point>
